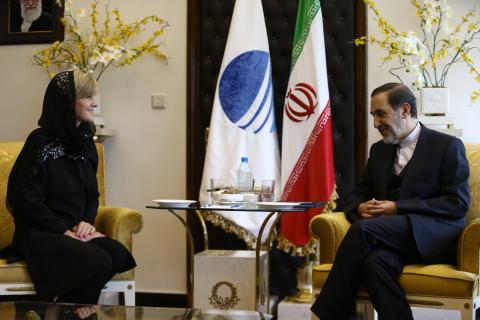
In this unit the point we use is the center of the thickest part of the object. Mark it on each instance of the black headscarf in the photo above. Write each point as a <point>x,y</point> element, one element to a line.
<point>58,114</point>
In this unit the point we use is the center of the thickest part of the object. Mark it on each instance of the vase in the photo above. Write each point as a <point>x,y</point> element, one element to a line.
<point>435,101</point>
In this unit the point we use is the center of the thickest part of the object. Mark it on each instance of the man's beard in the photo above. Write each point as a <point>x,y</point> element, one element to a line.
<point>30,15</point>
<point>393,131</point>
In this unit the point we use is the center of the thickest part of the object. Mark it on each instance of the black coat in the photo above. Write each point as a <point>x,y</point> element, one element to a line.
<point>434,192</point>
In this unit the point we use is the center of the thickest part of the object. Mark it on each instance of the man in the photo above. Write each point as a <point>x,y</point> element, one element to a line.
<point>408,207</point>
<point>32,17</point>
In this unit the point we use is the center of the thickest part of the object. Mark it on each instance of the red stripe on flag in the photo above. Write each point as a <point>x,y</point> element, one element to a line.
<point>312,179</point>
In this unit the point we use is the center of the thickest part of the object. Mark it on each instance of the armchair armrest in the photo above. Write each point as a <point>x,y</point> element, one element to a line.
<point>468,253</point>
<point>119,223</point>
<point>329,228</point>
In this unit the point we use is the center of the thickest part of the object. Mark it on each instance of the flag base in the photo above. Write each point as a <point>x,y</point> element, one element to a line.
<point>304,281</point>
<point>304,295</point>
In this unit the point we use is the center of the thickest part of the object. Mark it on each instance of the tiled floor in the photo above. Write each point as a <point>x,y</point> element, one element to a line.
<point>435,314</point>
<point>290,311</point>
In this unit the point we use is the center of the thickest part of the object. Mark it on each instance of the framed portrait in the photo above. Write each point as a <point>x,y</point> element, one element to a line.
<point>30,21</point>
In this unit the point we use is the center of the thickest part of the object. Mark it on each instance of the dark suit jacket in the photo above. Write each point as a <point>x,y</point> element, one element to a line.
<point>434,193</point>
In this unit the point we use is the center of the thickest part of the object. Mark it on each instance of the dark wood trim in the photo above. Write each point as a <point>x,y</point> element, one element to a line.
<point>166,300</point>
<point>361,134</point>
<point>194,139</point>
<point>193,95</point>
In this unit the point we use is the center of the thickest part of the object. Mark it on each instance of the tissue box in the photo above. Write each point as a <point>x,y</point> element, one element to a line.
<point>225,279</point>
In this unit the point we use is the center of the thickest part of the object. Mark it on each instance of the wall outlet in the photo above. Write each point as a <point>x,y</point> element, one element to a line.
<point>158,101</point>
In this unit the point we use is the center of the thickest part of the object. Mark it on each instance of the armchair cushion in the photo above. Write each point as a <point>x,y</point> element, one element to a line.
<point>14,272</point>
<point>426,280</point>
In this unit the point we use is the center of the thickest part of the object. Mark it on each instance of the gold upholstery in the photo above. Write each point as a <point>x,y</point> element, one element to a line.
<point>425,285</point>
<point>117,223</point>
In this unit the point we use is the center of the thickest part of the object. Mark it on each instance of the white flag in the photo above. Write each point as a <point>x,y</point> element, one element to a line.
<point>243,117</point>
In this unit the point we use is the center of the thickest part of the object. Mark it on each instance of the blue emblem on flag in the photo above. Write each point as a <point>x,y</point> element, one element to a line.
<point>245,91</point>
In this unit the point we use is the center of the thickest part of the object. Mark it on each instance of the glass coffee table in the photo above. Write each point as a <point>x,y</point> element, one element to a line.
<point>274,211</point>
<point>25,310</point>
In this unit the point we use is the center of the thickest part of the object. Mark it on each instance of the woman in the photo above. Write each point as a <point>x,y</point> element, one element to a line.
<point>53,196</point>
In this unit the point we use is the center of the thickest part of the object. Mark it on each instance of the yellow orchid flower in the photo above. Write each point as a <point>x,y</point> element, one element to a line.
<point>105,40</point>
<point>431,55</point>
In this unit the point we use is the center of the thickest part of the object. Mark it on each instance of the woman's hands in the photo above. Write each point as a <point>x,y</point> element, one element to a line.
<point>85,312</point>
<point>84,231</point>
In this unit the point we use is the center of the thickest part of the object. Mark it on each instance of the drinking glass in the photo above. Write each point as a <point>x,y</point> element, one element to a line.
<point>216,184</point>
<point>250,200</point>
<point>268,190</point>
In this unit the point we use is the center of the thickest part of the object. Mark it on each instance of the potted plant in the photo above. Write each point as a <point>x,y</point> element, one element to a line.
<point>93,45</point>
<point>430,56</point>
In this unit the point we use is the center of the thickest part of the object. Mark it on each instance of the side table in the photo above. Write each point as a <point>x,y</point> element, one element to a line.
<point>261,285</point>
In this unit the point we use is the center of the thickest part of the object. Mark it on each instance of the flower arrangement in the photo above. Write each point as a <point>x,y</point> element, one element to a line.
<point>92,45</point>
<point>429,57</point>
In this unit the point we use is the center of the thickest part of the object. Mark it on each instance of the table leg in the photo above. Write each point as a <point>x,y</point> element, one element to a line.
<point>191,253</point>
<point>204,228</point>
<point>262,297</point>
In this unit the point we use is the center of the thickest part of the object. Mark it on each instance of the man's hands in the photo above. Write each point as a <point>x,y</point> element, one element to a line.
<point>377,208</point>
<point>84,231</point>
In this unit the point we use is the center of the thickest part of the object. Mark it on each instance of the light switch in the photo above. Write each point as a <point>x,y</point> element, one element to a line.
<point>158,101</point>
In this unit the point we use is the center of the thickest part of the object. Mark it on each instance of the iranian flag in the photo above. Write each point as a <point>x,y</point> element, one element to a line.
<point>307,155</point>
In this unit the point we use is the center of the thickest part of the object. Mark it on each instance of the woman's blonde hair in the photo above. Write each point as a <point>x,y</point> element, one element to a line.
<point>85,85</point>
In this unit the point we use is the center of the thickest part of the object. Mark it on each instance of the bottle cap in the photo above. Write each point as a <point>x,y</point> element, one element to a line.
<point>244,159</point>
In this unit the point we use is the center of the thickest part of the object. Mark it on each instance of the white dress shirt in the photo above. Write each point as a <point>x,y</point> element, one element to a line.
<point>405,149</point>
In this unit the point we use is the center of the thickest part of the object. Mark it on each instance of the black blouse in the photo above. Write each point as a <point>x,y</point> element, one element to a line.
<point>62,189</point>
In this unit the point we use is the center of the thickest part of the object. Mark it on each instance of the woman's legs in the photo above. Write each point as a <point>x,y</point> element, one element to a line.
<point>117,252</point>
<point>109,257</point>
<point>88,292</point>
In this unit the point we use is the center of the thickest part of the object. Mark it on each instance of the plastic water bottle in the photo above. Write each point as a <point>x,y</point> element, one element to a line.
<point>244,176</point>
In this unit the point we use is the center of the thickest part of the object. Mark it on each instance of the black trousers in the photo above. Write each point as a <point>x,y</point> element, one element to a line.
<point>111,256</point>
<point>372,254</point>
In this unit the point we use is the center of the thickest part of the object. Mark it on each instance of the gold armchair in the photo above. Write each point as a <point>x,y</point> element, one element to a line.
<point>117,223</point>
<point>431,286</point>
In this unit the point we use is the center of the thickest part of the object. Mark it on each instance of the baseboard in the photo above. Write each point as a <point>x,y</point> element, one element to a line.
<point>145,299</point>
<point>20,297</point>
<point>167,300</point>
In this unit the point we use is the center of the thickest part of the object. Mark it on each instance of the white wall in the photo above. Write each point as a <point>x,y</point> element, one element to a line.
<point>147,157</point>
<point>402,15</point>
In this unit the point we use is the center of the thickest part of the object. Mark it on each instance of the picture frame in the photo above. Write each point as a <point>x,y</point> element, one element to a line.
<point>30,21</point>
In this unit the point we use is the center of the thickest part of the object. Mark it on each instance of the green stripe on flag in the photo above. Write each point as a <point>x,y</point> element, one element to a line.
<point>307,11</point>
